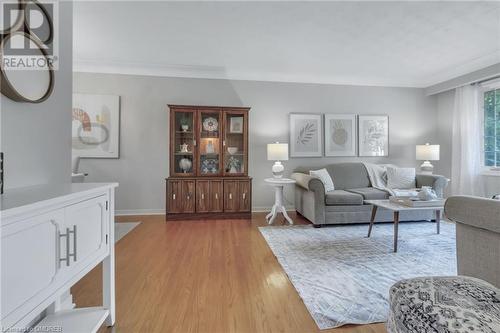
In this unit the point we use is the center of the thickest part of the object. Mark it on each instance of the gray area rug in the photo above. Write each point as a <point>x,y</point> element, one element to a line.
<point>343,277</point>
<point>123,228</point>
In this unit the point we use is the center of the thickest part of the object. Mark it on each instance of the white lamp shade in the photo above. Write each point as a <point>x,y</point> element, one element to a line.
<point>427,152</point>
<point>277,151</point>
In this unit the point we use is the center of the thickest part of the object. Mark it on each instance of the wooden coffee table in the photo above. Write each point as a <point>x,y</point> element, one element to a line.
<point>396,209</point>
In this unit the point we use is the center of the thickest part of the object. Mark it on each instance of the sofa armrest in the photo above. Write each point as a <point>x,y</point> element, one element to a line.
<point>308,182</point>
<point>437,182</point>
<point>314,190</point>
<point>474,211</point>
<point>301,179</point>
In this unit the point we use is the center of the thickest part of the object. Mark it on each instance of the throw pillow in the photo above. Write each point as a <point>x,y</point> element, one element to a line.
<point>325,178</point>
<point>400,178</point>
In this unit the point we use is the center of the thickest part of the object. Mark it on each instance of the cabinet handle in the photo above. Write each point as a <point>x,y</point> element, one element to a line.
<point>66,235</point>
<point>74,243</point>
<point>67,241</point>
<point>230,196</point>
<point>244,196</point>
<point>194,143</point>
<point>223,142</point>
<point>216,196</point>
<point>58,244</point>
<point>173,196</point>
<point>202,196</point>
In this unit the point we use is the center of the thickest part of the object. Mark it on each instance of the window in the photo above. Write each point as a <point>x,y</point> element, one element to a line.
<point>492,128</point>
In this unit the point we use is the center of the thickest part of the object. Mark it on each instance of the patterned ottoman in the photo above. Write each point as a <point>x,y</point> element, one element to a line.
<point>444,305</point>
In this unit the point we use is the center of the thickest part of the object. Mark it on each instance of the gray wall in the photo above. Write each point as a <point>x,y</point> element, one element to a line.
<point>143,162</point>
<point>445,103</point>
<point>36,138</point>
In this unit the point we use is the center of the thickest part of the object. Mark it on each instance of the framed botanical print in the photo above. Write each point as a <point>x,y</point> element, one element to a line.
<point>373,135</point>
<point>306,135</point>
<point>340,135</point>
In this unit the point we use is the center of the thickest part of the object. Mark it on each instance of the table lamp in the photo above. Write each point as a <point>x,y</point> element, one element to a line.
<point>427,153</point>
<point>277,152</point>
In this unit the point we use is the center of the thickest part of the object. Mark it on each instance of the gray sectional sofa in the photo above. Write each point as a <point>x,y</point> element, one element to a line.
<point>352,187</point>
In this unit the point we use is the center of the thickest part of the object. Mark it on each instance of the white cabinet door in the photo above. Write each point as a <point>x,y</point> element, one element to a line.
<point>87,222</point>
<point>30,261</point>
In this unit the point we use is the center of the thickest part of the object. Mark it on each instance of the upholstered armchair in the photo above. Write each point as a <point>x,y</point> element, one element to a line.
<point>474,291</point>
<point>478,236</point>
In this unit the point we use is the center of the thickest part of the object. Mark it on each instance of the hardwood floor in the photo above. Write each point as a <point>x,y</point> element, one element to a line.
<point>202,276</point>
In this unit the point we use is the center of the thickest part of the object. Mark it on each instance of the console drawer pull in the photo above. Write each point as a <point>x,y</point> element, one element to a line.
<point>74,243</point>
<point>66,235</point>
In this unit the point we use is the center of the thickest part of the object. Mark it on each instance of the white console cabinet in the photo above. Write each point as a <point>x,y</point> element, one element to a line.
<point>51,236</point>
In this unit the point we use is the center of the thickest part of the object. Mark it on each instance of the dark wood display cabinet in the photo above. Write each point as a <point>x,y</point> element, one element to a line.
<point>208,163</point>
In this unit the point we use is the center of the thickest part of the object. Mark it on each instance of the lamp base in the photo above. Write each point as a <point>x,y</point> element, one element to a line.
<point>278,169</point>
<point>427,168</point>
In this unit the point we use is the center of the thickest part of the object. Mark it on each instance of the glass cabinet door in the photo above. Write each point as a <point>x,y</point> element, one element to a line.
<point>210,129</point>
<point>235,144</point>
<point>184,143</point>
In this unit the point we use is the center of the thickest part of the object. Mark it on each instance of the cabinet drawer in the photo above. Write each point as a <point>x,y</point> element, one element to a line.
<point>174,196</point>
<point>231,197</point>
<point>245,193</point>
<point>30,265</point>
<point>188,196</point>
<point>181,196</point>
<point>202,196</point>
<point>209,196</point>
<point>216,196</point>
<point>86,225</point>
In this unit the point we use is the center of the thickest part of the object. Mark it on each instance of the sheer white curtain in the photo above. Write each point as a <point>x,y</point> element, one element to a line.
<point>466,145</point>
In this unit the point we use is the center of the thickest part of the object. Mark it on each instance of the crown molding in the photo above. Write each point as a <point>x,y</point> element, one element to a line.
<point>462,70</point>
<point>216,72</point>
<point>222,73</point>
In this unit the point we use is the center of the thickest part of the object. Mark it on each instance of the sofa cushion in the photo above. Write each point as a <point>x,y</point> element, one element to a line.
<point>341,197</point>
<point>370,193</point>
<point>325,178</point>
<point>348,175</point>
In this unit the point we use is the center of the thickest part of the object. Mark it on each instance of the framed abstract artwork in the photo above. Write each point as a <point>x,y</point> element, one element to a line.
<point>306,135</point>
<point>373,134</point>
<point>340,135</point>
<point>96,126</point>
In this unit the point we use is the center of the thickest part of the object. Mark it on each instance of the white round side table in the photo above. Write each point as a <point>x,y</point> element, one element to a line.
<point>279,206</point>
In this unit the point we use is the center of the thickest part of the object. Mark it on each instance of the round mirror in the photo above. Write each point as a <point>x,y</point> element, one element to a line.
<point>25,78</point>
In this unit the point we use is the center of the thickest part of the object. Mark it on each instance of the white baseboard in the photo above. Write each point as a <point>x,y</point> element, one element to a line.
<point>127,212</point>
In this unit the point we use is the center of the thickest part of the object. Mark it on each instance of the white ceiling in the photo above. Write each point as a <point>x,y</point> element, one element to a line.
<point>362,43</point>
